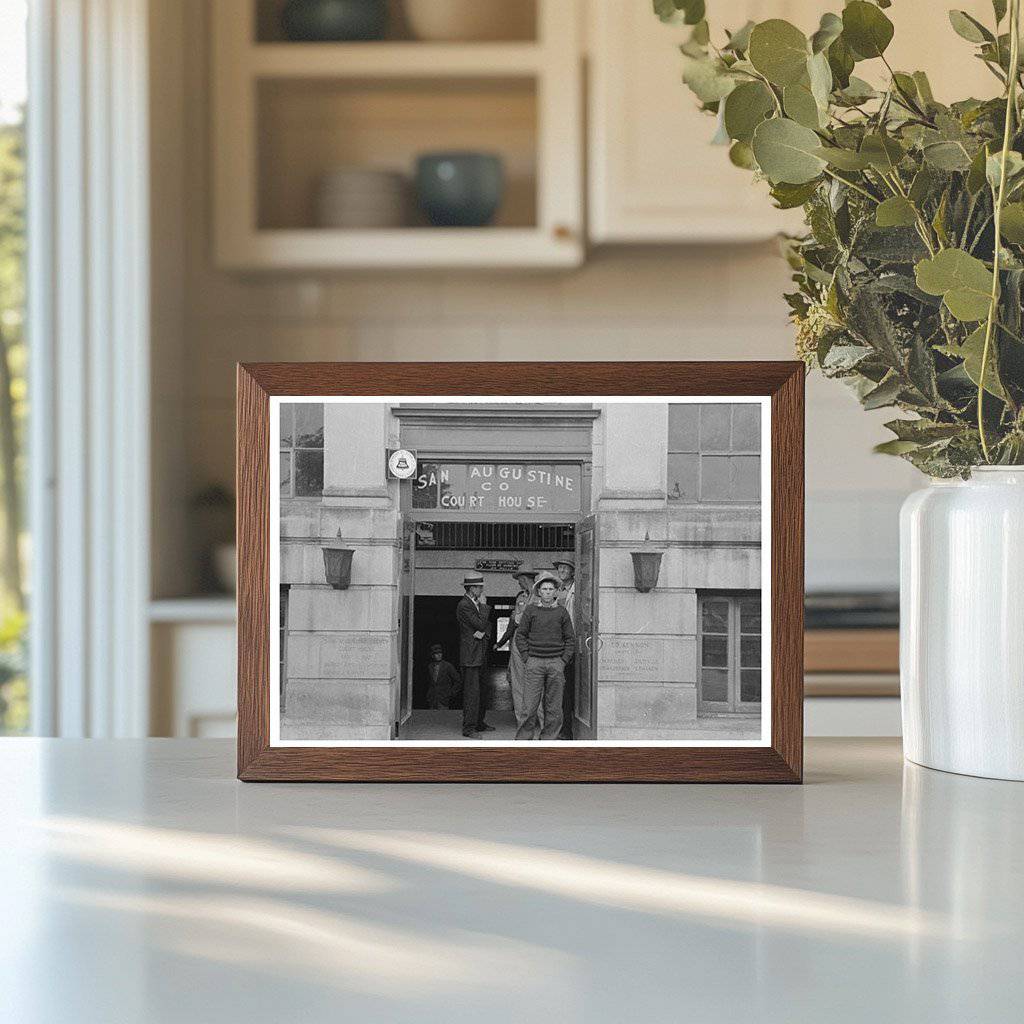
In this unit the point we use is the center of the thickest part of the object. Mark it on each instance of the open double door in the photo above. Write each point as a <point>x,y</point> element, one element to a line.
<point>587,639</point>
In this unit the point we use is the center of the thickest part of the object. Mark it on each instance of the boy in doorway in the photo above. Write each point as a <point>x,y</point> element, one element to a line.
<point>546,640</point>
<point>444,680</point>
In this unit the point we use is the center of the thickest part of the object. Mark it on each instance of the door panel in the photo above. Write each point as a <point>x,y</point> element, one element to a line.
<point>407,605</point>
<point>585,709</point>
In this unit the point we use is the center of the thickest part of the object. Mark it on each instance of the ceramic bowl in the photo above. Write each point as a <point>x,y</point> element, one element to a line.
<point>333,21</point>
<point>470,20</point>
<point>460,189</point>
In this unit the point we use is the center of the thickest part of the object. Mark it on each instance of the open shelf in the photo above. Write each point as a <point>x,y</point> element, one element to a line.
<point>519,25</point>
<point>286,114</point>
<point>353,60</point>
<point>309,127</point>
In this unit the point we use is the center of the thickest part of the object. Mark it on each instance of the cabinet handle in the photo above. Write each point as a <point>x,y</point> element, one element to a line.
<point>562,232</point>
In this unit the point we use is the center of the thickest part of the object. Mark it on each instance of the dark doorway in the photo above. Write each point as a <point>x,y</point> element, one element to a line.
<point>435,623</point>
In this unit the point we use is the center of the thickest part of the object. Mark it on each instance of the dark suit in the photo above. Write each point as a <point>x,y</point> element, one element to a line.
<point>473,618</point>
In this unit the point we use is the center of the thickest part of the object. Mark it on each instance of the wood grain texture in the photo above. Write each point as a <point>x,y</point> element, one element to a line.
<point>781,762</point>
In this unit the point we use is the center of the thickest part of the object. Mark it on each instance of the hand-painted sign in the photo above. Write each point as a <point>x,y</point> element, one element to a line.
<point>497,564</point>
<point>497,487</point>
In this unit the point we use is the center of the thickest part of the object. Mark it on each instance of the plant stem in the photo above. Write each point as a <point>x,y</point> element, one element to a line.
<point>1011,108</point>
<point>853,185</point>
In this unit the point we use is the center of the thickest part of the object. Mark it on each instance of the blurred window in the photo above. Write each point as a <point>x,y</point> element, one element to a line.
<point>14,538</point>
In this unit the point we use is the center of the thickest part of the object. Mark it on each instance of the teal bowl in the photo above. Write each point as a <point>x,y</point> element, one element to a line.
<point>334,21</point>
<point>460,189</point>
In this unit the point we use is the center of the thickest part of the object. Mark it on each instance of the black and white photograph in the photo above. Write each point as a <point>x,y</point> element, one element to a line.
<point>552,570</point>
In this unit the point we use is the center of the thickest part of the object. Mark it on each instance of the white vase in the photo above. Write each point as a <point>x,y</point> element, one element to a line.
<point>962,624</point>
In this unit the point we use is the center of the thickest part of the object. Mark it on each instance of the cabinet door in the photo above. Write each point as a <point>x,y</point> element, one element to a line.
<point>654,177</point>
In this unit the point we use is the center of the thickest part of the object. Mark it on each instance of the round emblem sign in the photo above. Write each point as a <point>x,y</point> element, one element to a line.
<point>402,464</point>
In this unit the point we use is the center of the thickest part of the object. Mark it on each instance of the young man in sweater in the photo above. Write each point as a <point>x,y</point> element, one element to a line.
<point>546,640</point>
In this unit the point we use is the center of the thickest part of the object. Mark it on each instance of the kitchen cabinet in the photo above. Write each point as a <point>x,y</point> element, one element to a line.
<point>654,177</point>
<point>288,114</point>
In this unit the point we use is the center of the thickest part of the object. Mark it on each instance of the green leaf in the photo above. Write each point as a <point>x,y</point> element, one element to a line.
<point>858,91</point>
<point>924,88</point>
<point>947,156</point>
<point>741,155</point>
<point>707,78</point>
<point>779,51</point>
<point>844,159</point>
<point>787,151</point>
<point>701,34</point>
<point>883,152</point>
<point>976,173</point>
<point>801,106</point>
<point>895,447</point>
<point>999,9</point>
<point>885,394</point>
<point>788,197</point>
<point>745,108</point>
<point>969,28</point>
<point>866,29</point>
<point>819,74</point>
<point>739,41</point>
<point>963,281</point>
<point>923,431</point>
<point>939,220</point>
<point>993,166</point>
<point>971,351</point>
<point>829,30</point>
<point>841,63</point>
<point>895,212</point>
<point>922,185</point>
<point>1012,224</point>
<point>690,12</point>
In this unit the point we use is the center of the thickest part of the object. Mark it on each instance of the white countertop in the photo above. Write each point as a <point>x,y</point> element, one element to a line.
<point>140,882</point>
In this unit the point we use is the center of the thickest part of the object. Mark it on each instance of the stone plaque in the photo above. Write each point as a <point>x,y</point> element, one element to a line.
<point>339,655</point>
<point>647,658</point>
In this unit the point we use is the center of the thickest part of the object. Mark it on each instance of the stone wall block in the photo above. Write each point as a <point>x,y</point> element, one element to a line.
<point>651,659</point>
<point>632,526</point>
<point>322,609</point>
<point>339,656</point>
<point>329,703</point>
<point>660,707</point>
<point>626,611</point>
<point>722,568</point>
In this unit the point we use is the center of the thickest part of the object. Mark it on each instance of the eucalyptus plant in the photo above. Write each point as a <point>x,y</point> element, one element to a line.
<point>910,277</point>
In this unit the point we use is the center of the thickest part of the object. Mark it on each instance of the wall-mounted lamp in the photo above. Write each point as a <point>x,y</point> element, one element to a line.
<point>338,566</point>
<point>646,566</point>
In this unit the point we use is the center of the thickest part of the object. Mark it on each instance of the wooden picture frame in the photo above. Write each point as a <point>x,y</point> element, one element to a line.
<point>778,759</point>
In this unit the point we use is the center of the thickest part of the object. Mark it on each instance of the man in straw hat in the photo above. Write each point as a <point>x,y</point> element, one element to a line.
<point>546,640</point>
<point>474,617</point>
<point>565,566</point>
<point>516,663</point>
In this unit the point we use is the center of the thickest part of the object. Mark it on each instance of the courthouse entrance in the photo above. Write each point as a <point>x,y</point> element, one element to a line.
<point>497,488</point>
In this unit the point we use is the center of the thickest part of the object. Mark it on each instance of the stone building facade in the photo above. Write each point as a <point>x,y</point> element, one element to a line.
<point>503,484</point>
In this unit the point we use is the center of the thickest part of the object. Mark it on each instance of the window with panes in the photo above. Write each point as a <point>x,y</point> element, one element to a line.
<point>714,452</point>
<point>730,651</point>
<point>302,449</point>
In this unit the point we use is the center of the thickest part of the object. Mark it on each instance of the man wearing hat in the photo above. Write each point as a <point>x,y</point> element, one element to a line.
<point>516,662</point>
<point>443,680</point>
<point>474,617</point>
<point>565,566</point>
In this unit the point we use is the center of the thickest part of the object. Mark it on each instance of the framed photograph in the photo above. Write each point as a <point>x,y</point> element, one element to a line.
<point>565,572</point>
